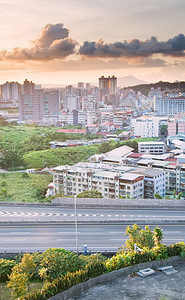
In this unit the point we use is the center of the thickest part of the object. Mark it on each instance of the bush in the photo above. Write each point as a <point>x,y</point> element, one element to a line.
<point>5,269</point>
<point>66,281</point>
<point>58,262</point>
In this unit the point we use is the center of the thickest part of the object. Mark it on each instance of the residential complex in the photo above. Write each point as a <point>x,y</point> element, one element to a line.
<point>110,175</point>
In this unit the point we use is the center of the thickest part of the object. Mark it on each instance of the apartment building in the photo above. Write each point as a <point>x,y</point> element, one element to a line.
<point>151,147</point>
<point>145,127</point>
<point>171,105</point>
<point>74,180</point>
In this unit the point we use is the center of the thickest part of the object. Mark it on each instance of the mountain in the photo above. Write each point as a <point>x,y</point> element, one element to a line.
<point>129,81</point>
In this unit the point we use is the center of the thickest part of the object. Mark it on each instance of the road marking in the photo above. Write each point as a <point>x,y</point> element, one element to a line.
<point>87,215</point>
<point>79,215</point>
<point>19,232</point>
<point>117,239</point>
<point>170,232</point>
<point>94,215</point>
<point>65,239</point>
<point>109,215</point>
<point>116,215</point>
<point>60,232</point>
<point>15,240</point>
<point>43,214</point>
<point>72,215</point>
<point>124,215</point>
<point>116,232</point>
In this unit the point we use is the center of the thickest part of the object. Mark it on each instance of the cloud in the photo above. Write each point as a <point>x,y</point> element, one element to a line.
<point>134,48</point>
<point>53,43</point>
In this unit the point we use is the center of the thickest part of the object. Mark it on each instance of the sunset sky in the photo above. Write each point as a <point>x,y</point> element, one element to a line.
<point>66,41</point>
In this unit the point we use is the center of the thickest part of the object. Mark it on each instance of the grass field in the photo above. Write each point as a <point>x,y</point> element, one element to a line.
<point>19,133</point>
<point>15,187</point>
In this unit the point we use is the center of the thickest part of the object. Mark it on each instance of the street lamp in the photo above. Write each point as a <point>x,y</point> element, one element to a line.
<point>76,233</point>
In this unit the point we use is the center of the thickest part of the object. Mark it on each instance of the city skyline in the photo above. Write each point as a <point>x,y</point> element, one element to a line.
<point>66,42</point>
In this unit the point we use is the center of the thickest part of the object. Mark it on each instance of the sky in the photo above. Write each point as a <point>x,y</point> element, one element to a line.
<point>67,41</point>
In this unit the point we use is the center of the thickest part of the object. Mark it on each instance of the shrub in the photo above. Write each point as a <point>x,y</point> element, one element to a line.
<point>5,269</point>
<point>58,262</point>
<point>66,281</point>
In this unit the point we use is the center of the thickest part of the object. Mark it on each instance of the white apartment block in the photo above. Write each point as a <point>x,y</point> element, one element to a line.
<point>145,127</point>
<point>74,180</point>
<point>151,147</point>
<point>154,182</point>
<point>171,105</point>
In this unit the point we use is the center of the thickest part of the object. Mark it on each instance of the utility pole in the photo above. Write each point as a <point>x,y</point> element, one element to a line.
<point>76,233</point>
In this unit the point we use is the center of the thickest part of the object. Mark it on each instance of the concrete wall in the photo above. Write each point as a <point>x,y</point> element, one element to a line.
<point>119,203</point>
<point>109,277</point>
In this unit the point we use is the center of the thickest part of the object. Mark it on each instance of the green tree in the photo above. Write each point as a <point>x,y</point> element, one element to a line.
<point>90,194</point>
<point>179,196</point>
<point>143,238</point>
<point>157,196</point>
<point>18,282</point>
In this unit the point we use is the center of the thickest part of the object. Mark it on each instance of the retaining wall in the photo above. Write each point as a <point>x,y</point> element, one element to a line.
<point>109,277</point>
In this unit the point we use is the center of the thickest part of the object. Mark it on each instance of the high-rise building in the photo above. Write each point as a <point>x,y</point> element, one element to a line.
<point>10,91</point>
<point>108,85</point>
<point>31,104</point>
<point>52,102</point>
<point>71,102</point>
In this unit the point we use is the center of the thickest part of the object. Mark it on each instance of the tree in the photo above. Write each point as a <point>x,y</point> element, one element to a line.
<point>179,196</point>
<point>90,194</point>
<point>157,196</point>
<point>18,282</point>
<point>105,147</point>
<point>143,238</point>
<point>21,275</point>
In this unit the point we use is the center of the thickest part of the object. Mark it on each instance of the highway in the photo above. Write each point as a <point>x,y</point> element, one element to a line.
<point>100,237</point>
<point>13,213</point>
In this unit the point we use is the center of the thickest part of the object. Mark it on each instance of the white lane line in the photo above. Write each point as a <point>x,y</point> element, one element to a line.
<point>43,214</point>
<point>16,240</point>
<point>1,213</point>
<point>94,215</point>
<point>87,215</point>
<point>131,216</point>
<point>116,232</point>
<point>72,215</point>
<point>174,239</point>
<point>49,215</point>
<point>65,239</point>
<point>79,215</point>
<point>7,213</point>
<point>109,215</point>
<point>170,232</point>
<point>117,239</point>
<point>73,233</point>
<point>116,215</point>
<point>124,215</point>
<point>101,215</point>
<point>64,215</point>
<point>138,216</point>
<point>19,232</point>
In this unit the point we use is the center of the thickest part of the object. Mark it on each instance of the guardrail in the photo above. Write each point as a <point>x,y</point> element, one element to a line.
<point>120,203</point>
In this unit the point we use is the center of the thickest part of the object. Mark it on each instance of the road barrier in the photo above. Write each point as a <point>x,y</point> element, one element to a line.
<point>120,203</point>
